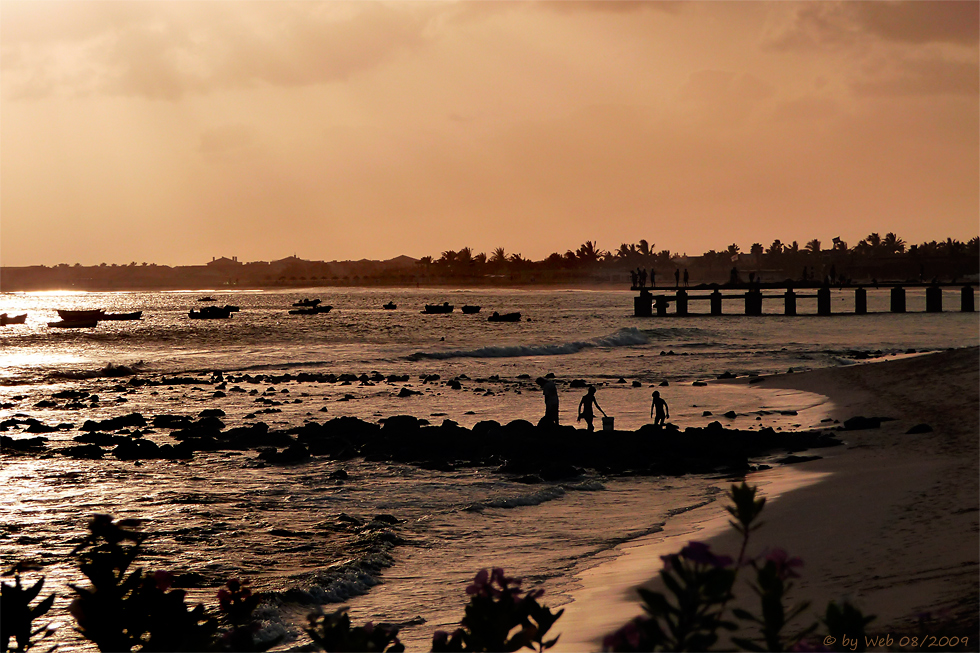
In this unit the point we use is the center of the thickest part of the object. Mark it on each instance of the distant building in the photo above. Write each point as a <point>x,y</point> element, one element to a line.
<point>224,262</point>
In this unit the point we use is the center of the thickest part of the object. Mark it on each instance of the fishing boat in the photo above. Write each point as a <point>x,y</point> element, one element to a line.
<point>135,315</point>
<point>505,317</point>
<point>74,324</point>
<point>390,306</point>
<point>313,310</point>
<point>16,319</point>
<point>209,313</point>
<point>470,310</point>
<point>81,316</point>
<point>445,307</point>
<point>307,302</point>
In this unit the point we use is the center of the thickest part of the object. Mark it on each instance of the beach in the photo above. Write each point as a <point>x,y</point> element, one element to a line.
<point>888,522</point>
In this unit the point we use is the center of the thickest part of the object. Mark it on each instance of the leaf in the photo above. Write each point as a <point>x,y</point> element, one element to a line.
<point>42,607</point>
<point>33,591</point>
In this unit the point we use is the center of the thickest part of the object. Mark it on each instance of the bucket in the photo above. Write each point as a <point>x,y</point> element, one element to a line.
<point>607,423</point>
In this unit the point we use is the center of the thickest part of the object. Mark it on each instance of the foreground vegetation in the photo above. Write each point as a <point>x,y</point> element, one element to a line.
<point>128,609</point>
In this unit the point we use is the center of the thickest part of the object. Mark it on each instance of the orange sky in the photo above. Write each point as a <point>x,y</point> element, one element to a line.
<point>172,132</point>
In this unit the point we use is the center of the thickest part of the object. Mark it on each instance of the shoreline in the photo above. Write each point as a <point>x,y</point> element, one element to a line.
<point>890,523</point>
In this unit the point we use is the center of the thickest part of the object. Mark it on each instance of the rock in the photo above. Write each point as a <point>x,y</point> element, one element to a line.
<point>340,475</point>
<point>706,413</point>
<point>386,519</point>
<point>637,384</point>
<point>859,423</point>
<point>405,392</point>
<point>726,375</point>
<point>580,383</point>
<point>665,384</point>
<point>919,428</point>
<point>621,380</point>
<point>699,384</point>
<point>731,414</point>
<point>793,459</point>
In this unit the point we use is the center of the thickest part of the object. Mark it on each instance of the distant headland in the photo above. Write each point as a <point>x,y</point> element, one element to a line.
<point>874,258</point>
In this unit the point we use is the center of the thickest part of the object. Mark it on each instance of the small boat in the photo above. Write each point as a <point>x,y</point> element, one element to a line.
<point>81,316</point>
<point>17,319</point>
<point>445,307</point>
<point>123,316</point>
<point>307,302</point>
<point>470,310</point>
<point>506,317</point>
<point>209,298</point>
<point>209,313</point>
<point>313,310</point>
<point>390,306</point>
<point>74,324</point>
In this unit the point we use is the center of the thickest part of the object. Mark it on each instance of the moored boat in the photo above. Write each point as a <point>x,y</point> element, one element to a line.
<point>306,302</point>
<point>470,310</point>
<point>445,307</point>
<point>135,315</point>
<point>16,319</point>
<point>505,317</point>
<point>313,310</point>
<point>81,316</point>
<point>209,313</point>
<point>74,324</point>
<point>390,306</point>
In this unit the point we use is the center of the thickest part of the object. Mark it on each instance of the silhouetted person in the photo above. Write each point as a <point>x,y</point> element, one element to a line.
<point>633,278</point>
<point>660,407</point>
<point>751,277</point>
<point>653,278</point>
<point>643,277</point>
<point>733,276</point>
<point>585,408</point>
<point>677,278</point>
<point>686,277</point>
<point>550,391</point>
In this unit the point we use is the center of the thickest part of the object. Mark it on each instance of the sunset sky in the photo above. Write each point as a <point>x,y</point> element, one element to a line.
<point>177,131</point>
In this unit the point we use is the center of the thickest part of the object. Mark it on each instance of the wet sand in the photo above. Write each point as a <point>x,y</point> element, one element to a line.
<point>891,522</point>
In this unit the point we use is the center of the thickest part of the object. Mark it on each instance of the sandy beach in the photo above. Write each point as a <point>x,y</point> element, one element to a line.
<point>890,521</point>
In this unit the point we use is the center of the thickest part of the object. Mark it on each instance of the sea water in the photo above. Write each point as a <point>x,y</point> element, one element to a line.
<point>228,515</point>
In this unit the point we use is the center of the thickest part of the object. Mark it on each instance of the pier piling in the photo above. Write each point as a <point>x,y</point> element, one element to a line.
<point>898,300</point>
<point>860,301</point>
<point>681,302</point>
<point>966,299</point>
<point>934,299</point>
<point>823,300</point>
<point>790,300</point>
<point>716,302</point>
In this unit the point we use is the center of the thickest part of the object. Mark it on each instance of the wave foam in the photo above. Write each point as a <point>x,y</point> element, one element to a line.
<point>623,338</point>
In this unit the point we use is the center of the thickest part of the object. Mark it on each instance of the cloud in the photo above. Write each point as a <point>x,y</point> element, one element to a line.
<point>822,24</point>
<point>932,76</point>
<point>166,50</point>
<point>226,138</point>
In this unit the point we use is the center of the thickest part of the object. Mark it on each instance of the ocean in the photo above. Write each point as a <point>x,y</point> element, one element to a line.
<point>227,514</point>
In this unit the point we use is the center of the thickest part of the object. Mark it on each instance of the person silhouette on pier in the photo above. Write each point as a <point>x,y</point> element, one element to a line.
<point>653,277</point>
<point>677,278</point>
<point>633,279</point>
<point>660,407</point>
<point>550,391</point>
<point>686,278</point>
<point>585,408</point>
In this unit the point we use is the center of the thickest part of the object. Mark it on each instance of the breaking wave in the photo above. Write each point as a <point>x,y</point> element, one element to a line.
<point>623,338</point>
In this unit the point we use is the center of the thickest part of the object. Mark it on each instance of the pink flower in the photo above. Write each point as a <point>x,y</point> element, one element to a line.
<point>700,553</point>
<point>163,580</point>
<point>785,566</point>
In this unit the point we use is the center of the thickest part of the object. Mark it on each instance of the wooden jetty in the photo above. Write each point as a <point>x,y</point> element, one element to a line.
<point>648,304</point>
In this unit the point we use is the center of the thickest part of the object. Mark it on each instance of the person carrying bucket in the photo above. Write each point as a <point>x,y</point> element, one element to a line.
<point>585,408</point>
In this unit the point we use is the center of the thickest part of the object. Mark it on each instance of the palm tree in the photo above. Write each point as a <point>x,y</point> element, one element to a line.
<point>499,255</point>
<point>448,257</point>
<point>776,248</point>
<point>732,251</point>
<point>874,240</point>
<point>480,259</point>
<point>644,248</point>
<point>588,252</point>
<point>813,246</point>
<point>893,244</point>
<point>464,256</point>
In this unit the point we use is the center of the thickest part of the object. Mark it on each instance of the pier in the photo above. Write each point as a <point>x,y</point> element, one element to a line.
<point>749,298</point>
